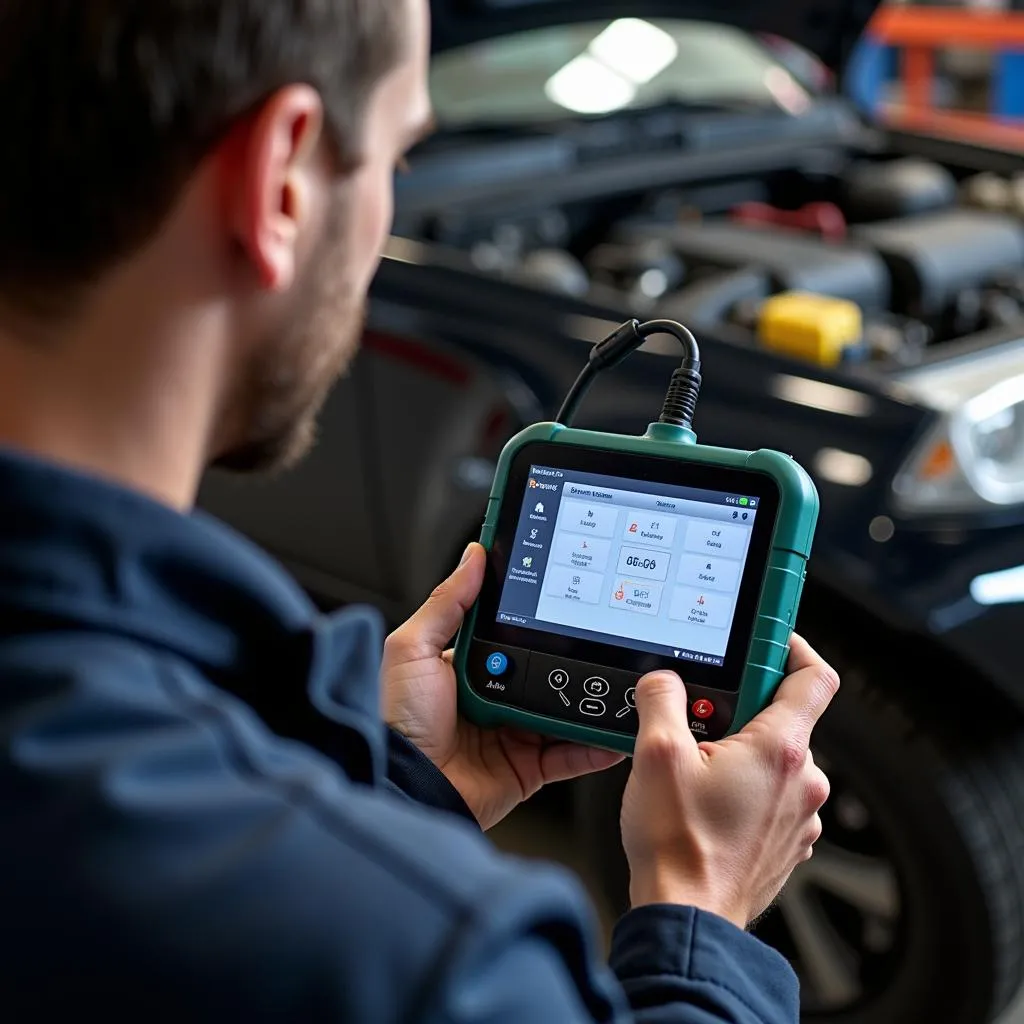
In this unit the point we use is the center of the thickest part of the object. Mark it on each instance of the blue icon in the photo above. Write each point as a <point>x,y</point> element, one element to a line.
<point>496,663</point>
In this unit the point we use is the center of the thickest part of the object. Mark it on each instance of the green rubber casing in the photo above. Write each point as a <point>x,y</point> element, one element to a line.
<point>781,587</point>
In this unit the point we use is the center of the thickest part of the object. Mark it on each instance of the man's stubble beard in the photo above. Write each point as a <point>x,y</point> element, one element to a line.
<point>286,385</point>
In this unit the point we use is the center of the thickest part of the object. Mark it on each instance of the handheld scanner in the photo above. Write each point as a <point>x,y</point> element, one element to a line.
<point>612,556</point>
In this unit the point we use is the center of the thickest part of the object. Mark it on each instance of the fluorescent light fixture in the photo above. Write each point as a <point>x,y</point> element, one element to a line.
<point>586,86</point>
<point>636,49</point>
<point>1003,587</point>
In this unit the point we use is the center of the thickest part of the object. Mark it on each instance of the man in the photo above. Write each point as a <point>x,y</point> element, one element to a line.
<point>203,815</point>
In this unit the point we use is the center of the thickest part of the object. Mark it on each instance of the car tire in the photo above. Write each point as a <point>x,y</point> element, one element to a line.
<point>912,908</point>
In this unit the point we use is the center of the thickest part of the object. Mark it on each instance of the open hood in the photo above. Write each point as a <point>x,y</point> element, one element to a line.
<point>828,28</point>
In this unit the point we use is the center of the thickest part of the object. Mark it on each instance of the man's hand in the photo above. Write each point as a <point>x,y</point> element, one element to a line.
<point>721,826</point>
<point>492,770</point>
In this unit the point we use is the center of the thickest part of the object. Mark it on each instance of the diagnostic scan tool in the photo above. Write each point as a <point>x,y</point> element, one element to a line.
<point>611,556</point>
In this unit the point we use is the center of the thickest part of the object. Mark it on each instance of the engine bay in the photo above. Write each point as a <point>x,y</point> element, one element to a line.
<point>876,261</point>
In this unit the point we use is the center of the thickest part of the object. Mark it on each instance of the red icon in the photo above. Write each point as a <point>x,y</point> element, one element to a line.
<point>632,528</point>
<point>700,600</point>
<point>620,594</point>
<point>703,708</point>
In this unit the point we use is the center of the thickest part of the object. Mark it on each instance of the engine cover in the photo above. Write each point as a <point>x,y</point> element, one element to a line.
<point>933,257</point>
<point>794,261</point>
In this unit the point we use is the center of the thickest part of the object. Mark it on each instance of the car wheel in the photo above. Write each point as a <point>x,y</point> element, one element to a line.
<point>912,908</point>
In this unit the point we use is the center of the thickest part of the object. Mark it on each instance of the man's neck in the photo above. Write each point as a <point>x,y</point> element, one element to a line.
<point>129,406</point>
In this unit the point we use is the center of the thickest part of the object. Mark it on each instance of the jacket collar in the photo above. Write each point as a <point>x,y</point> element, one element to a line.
<point>78,552</point>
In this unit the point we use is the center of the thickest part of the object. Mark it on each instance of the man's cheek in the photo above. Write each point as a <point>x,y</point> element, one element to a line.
<point>375,216</point>
<point>381,213</point>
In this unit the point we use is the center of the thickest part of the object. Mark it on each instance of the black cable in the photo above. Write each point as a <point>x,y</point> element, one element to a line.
<point>683,391</point>
<point>571,402</point>
<point>605,354</point>
<point>684,388</point>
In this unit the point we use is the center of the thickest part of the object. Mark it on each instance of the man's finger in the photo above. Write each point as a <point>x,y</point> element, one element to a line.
<point>801,655</point>
<point>661,707</point>
<point>433,625</point>
<point>803,698</point>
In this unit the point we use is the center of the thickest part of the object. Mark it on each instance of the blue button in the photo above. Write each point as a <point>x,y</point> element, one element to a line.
<point>496,663</point>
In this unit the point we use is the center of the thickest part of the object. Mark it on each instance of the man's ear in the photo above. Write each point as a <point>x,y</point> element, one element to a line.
<point>271,180</point>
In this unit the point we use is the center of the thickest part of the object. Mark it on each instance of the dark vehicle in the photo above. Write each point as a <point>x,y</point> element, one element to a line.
<point>592,166</point>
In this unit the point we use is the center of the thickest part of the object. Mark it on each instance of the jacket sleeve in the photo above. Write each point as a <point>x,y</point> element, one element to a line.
<point>679,964</point>
<point>413,775</point>
<point>668,965</point>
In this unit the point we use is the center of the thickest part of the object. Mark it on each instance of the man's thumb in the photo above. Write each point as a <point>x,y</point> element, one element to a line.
<point>439,618</point>
<point>661,707</point>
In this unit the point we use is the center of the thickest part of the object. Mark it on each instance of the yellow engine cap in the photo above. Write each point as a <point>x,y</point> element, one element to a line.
<point>816,328</point>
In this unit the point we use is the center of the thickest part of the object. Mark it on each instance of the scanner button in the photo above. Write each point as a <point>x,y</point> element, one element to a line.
<point>594,708</point>
<point>595,686</point>
<point>497,663</point>
<point>498,675</point>
<point>703,708</point>
<point>558,679</point>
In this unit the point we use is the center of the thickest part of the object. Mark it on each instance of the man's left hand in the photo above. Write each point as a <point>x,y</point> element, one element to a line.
<point>493,770</point>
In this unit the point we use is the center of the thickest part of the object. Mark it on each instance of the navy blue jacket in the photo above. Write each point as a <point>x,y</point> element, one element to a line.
<point>202,817</point>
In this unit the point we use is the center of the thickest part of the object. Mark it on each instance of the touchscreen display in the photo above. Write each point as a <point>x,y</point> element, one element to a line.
<point>649,566</point>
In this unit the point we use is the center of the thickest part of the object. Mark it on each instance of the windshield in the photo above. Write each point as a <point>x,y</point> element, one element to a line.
<point>594,68</point>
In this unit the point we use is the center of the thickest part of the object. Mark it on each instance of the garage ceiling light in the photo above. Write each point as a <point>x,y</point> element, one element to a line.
<point>1003,587</point>
<point>636,49</point>
<point>588,87</point>
<point>627,54</point>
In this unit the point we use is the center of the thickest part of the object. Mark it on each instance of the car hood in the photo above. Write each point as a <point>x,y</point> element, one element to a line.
<point>828,28</point>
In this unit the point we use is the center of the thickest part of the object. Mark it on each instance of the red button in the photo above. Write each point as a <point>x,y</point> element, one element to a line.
<point>703,708</point>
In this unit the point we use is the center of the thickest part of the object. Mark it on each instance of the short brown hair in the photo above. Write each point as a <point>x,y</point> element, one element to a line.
<point>108,106</point>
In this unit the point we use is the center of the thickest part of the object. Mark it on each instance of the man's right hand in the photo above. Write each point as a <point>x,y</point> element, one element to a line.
<point>721,826</point>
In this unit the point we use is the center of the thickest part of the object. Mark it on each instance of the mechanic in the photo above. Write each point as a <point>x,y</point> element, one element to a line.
<point>204,816</point>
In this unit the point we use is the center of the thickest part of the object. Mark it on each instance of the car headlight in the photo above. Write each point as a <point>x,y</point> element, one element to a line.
<point>974,458</point>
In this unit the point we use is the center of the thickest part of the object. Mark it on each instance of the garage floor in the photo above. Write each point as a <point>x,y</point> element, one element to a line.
<point>531,833</point>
